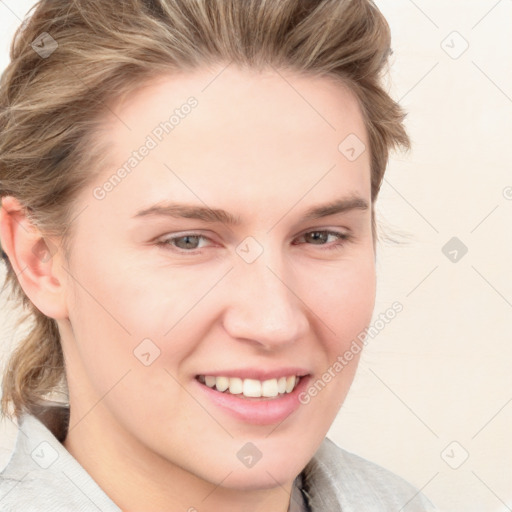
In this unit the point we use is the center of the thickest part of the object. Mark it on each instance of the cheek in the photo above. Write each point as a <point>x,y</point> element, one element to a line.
<point>110,314</point>
<point>345,304</point>
<point>345,299</point>
<point>126,316</point>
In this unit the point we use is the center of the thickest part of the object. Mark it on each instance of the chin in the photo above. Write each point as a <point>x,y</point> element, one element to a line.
<point>252,479</point>
<point>275,471</point>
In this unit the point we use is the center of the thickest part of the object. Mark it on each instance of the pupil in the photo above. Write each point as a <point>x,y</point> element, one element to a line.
<point>316,238</point>
<point>187,239</point>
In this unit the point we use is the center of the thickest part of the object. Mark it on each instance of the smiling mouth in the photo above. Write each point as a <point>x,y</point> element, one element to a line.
<point>251,388</point>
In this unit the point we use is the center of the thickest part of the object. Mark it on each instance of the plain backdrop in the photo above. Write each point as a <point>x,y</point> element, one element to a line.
<point>432,400</point>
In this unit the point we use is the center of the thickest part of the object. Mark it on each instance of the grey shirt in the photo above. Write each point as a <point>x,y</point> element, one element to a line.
<point>43,476</point>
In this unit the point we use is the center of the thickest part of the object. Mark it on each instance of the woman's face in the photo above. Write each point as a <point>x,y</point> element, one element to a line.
<point>160,294</point>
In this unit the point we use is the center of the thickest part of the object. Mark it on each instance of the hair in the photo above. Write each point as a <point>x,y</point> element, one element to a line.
<point>51,107</point>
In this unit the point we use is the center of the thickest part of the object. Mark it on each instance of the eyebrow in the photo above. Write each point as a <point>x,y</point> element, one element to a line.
<point>212,215</point>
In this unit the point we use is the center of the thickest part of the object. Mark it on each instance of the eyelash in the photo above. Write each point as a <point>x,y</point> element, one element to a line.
<point>343,238</point>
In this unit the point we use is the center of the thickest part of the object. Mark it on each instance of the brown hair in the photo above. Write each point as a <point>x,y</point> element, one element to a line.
<point>50,106</point>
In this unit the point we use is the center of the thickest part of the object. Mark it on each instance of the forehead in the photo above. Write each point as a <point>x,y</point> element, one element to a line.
<point>246,129</point>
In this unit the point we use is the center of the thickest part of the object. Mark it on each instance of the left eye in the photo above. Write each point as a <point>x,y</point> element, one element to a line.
<point>324,235</point>
<point>190,241</point>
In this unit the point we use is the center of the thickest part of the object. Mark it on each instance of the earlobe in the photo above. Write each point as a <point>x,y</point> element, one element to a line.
<point>33,258</point>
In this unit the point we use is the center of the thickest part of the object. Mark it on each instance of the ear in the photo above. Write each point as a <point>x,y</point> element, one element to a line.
<point>34,259</point>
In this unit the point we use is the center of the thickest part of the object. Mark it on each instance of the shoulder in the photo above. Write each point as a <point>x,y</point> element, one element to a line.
<point>42,475</point>
<point>336,479</point>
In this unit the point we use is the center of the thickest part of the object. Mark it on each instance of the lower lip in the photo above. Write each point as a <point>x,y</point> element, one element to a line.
<point>257,412</point>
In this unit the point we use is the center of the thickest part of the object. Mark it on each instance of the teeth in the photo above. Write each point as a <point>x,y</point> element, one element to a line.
<point>290,383</point>
<point>210,381</point>
<point>235,386</point>
<point>269,388</point>
<point>221,383</point>
<point>251,387</point>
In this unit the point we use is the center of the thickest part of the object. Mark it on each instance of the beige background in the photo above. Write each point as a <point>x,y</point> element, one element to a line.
<point>435,385</point>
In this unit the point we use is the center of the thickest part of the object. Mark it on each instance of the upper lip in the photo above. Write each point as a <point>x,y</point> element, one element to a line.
<point>259,373</point>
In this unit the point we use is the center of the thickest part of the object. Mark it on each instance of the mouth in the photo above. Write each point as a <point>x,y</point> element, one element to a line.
<point>252,388</point>
<point>253,401</point>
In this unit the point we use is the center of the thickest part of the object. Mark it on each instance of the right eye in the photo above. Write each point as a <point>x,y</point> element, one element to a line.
<point>186,243</point>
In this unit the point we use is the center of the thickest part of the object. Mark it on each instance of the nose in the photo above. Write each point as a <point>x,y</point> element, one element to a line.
<point>265,305</point>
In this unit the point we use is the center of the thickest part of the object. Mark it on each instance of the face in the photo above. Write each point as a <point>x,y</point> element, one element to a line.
<point>160,296</point>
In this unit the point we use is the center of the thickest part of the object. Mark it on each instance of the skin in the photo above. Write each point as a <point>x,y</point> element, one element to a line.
<point>254,147</point>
